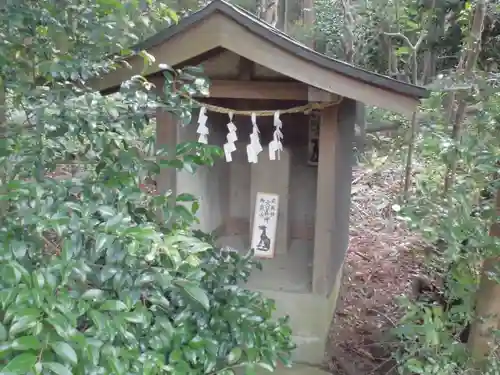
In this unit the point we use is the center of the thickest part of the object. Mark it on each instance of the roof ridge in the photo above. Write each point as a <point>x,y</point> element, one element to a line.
<point>256,19</point>
<point>252,17</point>
<point>282,41</point>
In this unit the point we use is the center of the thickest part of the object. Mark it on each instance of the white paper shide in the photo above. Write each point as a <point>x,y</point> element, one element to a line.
<point>231,138</point>
<point>275,146</point>
<point>254,148</point>
<point>202,129</point>
<point>265,223</point>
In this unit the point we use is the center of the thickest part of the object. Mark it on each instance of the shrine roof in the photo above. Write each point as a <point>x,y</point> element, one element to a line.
<point>221,24</point>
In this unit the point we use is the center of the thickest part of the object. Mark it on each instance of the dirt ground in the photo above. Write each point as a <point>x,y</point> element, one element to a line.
<point>381,262</point>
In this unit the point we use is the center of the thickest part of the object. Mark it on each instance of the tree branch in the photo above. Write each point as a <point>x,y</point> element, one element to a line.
<point>403,37</point>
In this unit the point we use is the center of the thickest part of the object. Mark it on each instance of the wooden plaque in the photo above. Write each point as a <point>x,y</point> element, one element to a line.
<point>265,223</point>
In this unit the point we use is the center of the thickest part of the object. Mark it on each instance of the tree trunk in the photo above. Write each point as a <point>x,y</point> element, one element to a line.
<point>482,337</point>
<point>386,45</point>
<point>348,34</point>
<point>309,20</point>
<point>283,16</point>
<point>349,56</point>
<point>487,320</point>
<point>429,68</point>
<point>468,60</point>
<point>434,34</point>
<point>267,10</point>
<point>3,133</point>
<point>414,120</point>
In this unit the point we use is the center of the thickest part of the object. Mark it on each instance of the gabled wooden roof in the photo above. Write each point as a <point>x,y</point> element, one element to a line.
<point>221,24</point>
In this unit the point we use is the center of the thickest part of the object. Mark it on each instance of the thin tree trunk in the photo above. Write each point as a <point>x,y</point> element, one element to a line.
<point>386,42</point>
<point>482,337</point>
<point>429,69</point>
<point>349,56</point>
<point>267,10</point>
<point>469,60</point>
<point>309,20</point>
<point>283,16</point>
<point>348,34</point>
<point>434,33</point>
<point>414,120</point>
<point>3,133</point>
<point>487,320</point>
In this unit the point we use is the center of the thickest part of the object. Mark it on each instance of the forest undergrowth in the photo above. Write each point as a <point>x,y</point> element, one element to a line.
<point>381,265</point>
<point>416,281</point>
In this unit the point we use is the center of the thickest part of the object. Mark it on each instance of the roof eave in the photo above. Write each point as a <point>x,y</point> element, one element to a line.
<point>282,41</point>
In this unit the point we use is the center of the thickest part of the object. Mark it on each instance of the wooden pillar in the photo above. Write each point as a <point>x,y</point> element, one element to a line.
<point>325,201</point>
<point>166,136</point>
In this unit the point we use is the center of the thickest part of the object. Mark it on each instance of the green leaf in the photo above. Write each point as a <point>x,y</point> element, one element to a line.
<point>184,213</point>
<point>11,274</point>
<point>184,197</point>
<point>93,294</point>
<point>113,306</point>
<point>19,249</point>
<point>136,316</point>
<point>26,342</point>
<point>195,206</point>
<point>65,351</point>
<point>114,221</point>
<point>234,356</point>
<point>57,368</point>
<point>194,292</point>
<point>266,366</point>
<point>23,324</point>
<point>250,369</point>
<point>3,332</point>
<point>415,366</point>
<point>107,212</point>
<point>103,241</point>
<point>173,16</point>
<point>20,365</point>
<point>401,51</point>
<point>147,58</point>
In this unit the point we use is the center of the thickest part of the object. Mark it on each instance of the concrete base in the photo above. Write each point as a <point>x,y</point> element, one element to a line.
<point>310,319</point>
<point>290,271</point>
<point>287,280</point>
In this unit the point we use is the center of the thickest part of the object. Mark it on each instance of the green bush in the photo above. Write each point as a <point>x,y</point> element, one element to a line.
<point>99,277</point>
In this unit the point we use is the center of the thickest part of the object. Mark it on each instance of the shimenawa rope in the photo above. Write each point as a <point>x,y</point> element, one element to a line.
<point>306,108</point>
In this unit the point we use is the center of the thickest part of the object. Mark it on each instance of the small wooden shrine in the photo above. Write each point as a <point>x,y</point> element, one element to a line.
<point>285,117</point>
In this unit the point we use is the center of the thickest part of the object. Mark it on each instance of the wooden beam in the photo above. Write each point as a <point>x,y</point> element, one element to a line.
<point>266,90</point>
<point>258,90</point>
<point>197,60</point>
<point>263,90</point>
<point>246,69</point>
<point>317,95</point>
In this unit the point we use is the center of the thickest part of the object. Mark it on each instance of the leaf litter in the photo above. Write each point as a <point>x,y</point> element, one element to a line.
<point>382,260</point>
